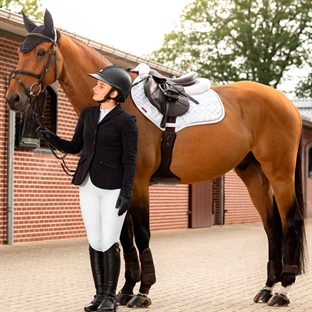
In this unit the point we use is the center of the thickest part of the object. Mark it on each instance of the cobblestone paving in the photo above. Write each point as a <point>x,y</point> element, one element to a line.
<point>211,269</point>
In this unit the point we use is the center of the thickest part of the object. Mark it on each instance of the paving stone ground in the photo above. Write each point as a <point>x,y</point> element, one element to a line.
<point>215,269</point>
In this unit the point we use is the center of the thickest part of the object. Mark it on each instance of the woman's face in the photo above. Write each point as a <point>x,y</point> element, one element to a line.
<point>100,91</point>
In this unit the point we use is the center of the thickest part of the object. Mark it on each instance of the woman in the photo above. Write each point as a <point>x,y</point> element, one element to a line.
<point>107,138</point>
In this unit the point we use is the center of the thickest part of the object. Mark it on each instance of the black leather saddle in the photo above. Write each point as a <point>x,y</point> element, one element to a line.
<point>167,94</point>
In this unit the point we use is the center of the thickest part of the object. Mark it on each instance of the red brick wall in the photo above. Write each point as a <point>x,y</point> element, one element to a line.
<point>46,204</point>
<point>7,62</point>
<point>169,207</point>
<point>238,206</point>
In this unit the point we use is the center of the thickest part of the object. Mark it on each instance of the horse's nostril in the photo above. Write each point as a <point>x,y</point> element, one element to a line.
<point>13,101</point>
<point>16,98</point>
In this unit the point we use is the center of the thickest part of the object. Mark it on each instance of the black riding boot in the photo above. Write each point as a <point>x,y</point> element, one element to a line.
<point>112,270</point>
<point>97,268</point>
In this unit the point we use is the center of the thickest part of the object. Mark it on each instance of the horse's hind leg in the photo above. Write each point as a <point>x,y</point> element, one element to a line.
<point>139,229</point>
<point>261,195</point>
<point>141,226</point>
<point>132,266</point>
<point>286,180</point>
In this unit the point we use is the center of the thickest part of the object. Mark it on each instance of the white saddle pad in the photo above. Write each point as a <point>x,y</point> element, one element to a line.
<point>209,110</point>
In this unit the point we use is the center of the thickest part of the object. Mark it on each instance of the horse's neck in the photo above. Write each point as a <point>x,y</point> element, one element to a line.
<point>78,60</point>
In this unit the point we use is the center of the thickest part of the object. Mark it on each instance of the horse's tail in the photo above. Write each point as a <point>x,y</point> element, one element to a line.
<point>299,212</point>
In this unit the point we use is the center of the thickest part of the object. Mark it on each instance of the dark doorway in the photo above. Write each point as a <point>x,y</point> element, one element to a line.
<point>201,212</point>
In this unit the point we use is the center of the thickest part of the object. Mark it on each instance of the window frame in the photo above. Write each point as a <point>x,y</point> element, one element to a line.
<point>26,125</point>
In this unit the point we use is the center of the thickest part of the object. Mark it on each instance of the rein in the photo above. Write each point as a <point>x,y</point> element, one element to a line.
<point>37,100</point>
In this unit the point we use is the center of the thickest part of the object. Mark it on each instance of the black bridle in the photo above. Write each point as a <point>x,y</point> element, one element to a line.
<point>37,99</point>
<point>30,92</point>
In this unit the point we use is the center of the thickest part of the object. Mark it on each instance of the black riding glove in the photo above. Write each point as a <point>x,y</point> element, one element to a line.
<point>44,133</point>
<point>49,136</point>
<point>122,204</point>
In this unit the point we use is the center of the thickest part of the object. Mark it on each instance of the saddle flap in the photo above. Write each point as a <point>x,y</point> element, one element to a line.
<point>153,93</point>
<point>178,106</point>
<point>166,99</point>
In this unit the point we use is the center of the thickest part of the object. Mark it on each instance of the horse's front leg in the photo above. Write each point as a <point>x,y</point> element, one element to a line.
<point>132,265</point>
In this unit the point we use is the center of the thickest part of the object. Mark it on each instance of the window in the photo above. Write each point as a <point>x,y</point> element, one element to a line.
<point>26,124</point>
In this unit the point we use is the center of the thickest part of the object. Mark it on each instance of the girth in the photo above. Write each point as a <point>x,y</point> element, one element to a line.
<point>163,174</point>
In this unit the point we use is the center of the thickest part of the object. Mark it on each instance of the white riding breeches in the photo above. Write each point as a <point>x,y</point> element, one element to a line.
<point>100,217</point>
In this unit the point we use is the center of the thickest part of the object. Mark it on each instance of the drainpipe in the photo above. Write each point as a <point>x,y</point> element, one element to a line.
<point>10,178</point>
<point>306,177</point>
<point>222,200</point>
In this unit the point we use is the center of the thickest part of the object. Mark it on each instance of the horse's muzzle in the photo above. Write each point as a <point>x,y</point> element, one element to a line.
<point>17,103</point>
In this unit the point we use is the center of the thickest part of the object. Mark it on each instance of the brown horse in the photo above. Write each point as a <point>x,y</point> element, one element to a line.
<point>259,136</point>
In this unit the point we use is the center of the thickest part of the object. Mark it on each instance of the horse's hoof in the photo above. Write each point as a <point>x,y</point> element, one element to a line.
<point>139,301</point>
<point>122,298</point>
<point>278,300</point>
<point>263,296</point>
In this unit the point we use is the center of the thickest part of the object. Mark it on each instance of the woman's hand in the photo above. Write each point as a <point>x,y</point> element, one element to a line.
<point>122,204</point>
<point>44,133</point>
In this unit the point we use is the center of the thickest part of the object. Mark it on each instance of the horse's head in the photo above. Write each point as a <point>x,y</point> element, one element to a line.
<point>38,65</point>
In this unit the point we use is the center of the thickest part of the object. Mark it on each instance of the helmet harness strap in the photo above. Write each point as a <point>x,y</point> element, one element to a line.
<point>107,96</point>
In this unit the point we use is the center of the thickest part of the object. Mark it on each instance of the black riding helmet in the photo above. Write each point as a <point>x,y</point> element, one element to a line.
<point>116,77</point>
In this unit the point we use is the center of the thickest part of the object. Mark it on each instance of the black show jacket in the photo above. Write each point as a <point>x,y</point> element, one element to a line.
<point>108,149</point>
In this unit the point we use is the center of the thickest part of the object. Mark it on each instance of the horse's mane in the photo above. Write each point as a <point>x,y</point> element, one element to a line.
<point>89,51</point>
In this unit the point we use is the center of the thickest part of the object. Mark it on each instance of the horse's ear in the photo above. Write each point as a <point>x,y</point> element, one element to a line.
<point>29,25</point>
<point>48,23</point>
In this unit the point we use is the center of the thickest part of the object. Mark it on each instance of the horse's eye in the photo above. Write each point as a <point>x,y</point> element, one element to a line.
<point>41,53</point>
